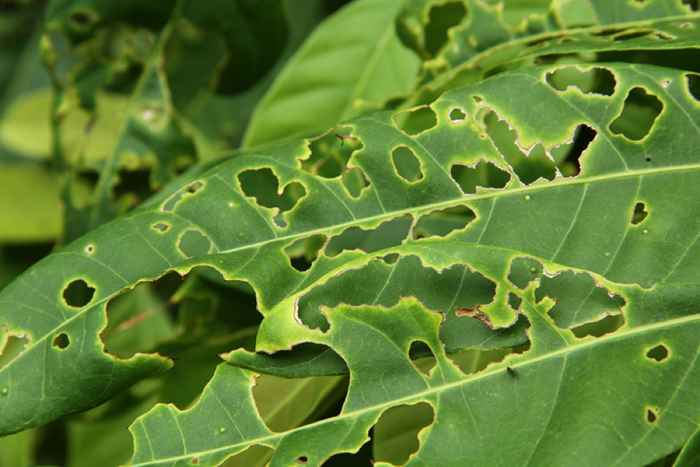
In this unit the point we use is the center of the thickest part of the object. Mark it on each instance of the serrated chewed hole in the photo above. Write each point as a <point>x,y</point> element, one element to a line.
<point>440,19</point>
<point>483,174</point>
<point>422,357</point>
<point>658,353</point>
<point>640,213</point>
<point>78,293</point>
<point>413,122</point>
<point>457,115</point>
<point>639,112</point>
<point>386,235</point>
<point>652,414</point>
<point>330,153</point>
<point>263,186</point>
<point>303,252</point>
<point>407,164</point>
<point>396,432</point>
<point>694,85</point>
<point>193,243</point>
<point>442,222</point>
<point>61,341</point>
<point>592,81</point>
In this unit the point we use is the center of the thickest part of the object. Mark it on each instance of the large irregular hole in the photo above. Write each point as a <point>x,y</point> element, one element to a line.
<point>11,345</point>
<point>523,271</point>
<point>440,19</point>
<point>658,353</point>
<point>193,243</point>
<point>592,81</point>
<point>331,152</point>
<point>395,435</point>
<point>568,156</point>
<point>638,115</point>
<point>78,293</point>
<point>442,222</point>
<point>61,341</point>
<point>578,299</point>
<point>694,85</point>
<point>386,235</point>
<point>355,181</point>
<point>413,122</point>
<point>311,399</point>
<point>607,325</point>
<point>472,361</point>
<point>361,458</point>
<point>302,253</point>
<point>263,185</point>
<point>407,164</point>
<point>528,167</point>
<point>640,213</point>
<point>483,174</point>
<point>422,357</point>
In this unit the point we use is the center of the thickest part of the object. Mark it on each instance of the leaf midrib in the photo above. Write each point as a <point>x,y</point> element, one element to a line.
<point>437,389</point>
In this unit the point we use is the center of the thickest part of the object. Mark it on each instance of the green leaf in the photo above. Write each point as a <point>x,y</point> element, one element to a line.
<point>559,376</point>
<point>581,223</point>
<point>354,60</point>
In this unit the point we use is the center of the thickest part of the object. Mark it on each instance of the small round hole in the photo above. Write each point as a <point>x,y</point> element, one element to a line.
<point>302,459</point>
<point>651,415</point>
<point>90,249</point>
<point>161,227</point>
<point>658,353</point>
<point>78,293</point>
<point>61,341</point>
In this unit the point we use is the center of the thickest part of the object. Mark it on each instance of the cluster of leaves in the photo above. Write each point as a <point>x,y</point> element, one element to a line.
<point>422,232</point>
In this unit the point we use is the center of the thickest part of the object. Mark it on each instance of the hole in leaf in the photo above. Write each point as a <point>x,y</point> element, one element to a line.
<point>302,253</point>
<point>578,299</point>
<point>193,243</point>
<point>312,399</point>
<point>628,35</point>
<point>11,345</point>
<point>302,460</point>
<point>386,235</point>
<point>523,271</point>
<point>61,341</point>
<point>361,458</point>
<point>413,122</point>
<point>194,187</point>
<point>514,301</point>
<point>330,153</point>
<point>90,249</point>
<point>422,357</point>
<point>638,115</point>
<point>658,353</point>
<point>457,115</point>
<point>568,156</point>
<point>407,164</point>
<point>592,81</point>
<point>355,181</point>
<point>640,213</point>
<point>395,435</point>
<point>78,293</point>
<point>441,223</point>
<point>262,184</point>
<point>483,174</point>
<point>528,167</point>
<point>440,19</point>
<point>694,85</point>
<point>607,325</point>
<point>161,227</point>
<point>652,415</point>
<point>473,361</point>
